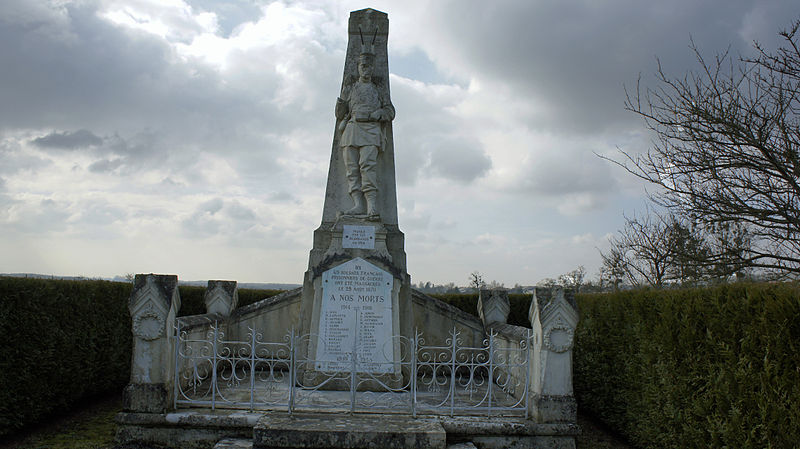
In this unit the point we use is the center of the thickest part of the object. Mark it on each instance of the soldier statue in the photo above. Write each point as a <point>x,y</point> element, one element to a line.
<point>361,111</point>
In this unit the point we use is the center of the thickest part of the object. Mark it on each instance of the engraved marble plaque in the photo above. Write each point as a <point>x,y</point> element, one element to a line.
<point>356,313</point>
<point>358,237</point>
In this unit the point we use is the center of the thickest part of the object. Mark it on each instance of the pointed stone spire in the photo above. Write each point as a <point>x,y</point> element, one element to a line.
<point>359,231</point>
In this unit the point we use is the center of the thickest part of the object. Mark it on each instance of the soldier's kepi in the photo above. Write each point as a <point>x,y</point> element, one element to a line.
<point>361,111</point>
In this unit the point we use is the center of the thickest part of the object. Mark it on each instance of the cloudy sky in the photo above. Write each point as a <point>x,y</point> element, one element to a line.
<point>192,137</point>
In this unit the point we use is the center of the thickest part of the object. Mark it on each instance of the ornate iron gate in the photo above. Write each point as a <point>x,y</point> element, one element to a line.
<point>450,378</point>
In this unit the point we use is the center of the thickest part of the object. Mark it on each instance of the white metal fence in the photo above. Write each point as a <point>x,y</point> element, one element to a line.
<point>450,378</point>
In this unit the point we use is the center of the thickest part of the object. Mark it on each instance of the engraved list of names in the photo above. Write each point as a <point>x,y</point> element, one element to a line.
<point>356,303</point>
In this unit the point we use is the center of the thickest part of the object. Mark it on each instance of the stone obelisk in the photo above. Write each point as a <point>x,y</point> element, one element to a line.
<point>356,293</point>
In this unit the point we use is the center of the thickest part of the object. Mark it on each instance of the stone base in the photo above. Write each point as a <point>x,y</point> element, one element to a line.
<point>145,398</point>
<point>183,430</point>
<point>554,409</point>
<point>203,429</point>
<point>347,432</point>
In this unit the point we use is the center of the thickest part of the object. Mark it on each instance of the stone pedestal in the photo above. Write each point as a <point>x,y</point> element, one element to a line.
<point>356,296</point>
<point>554,315</point>
<point>153,305</point>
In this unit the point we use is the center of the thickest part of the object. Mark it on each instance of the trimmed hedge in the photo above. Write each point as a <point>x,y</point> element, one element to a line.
<point>705,367</point>
<point>192,298</point>
<point>468,302</point>
<point>62,341</point>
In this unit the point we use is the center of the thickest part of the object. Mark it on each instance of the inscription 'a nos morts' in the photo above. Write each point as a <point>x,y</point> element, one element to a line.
<point>356,312</point>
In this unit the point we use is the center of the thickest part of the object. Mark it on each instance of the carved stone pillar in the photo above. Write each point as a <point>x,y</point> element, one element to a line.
<point>153,305</point>
<point>493,306</point>
<point>554,315</point>
<point>221,297</point>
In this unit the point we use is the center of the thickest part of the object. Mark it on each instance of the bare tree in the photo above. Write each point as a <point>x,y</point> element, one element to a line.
<point>574,278</point>
<point>644,250</point>
<point>614,271</point>
<point>728,148</point>
<point>476,280</point>
<point>658,248</point>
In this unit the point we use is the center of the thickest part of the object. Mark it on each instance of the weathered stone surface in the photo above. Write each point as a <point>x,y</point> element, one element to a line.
<point>356,312</point>
<point>221,297</point>
<point>347,432</point>
<point>370,24</point>
<point>183,430</point>
<point>554,316</point>
<point>549,408</point>
<point>200,428</point>
<point>153,305</point>
<point>463,428</point>
<point>274,317</point>
<point>437,319</point>
<point>234,443</point>
<point>145,398</point>
<point>377,198</point>
<point>493,306</point>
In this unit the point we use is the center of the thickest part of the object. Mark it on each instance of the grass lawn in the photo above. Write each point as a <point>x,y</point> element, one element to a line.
<point>91,426</point>
<point>88,426</point>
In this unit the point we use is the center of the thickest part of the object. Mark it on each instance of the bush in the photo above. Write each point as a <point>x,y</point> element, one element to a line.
<point>706,367</point>
<point>62,341</point>
<point>192,298</point>
<point>468,302</point>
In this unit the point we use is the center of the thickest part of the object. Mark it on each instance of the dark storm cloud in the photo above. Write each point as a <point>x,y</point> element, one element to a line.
<point>68,140</point>
<point>66,68</point>
<point>573,58</point>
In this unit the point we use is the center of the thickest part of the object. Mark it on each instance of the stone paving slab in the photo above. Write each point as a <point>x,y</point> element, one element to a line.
<point>347,431</point>
<point>234,443</point>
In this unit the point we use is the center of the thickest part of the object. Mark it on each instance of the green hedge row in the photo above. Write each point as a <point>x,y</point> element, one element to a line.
<point>468,302</point>
<point>192,298</point>
<point>62,341</point>
<point>706,367</point>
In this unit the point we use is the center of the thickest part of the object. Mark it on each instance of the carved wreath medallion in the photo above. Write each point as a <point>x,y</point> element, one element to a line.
<point>559,338</point>
<point>149,324</point>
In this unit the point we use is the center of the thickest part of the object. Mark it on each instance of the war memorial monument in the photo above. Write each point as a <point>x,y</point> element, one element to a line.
<point>355,358</point>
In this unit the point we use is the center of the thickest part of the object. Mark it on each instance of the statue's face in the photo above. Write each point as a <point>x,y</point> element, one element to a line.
<point>365,68</point>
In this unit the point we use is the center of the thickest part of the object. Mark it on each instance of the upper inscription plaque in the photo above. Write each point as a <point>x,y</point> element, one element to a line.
<point>356,313</point>
<point>358,237</point>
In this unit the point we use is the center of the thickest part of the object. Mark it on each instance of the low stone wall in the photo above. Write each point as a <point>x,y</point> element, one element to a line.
<point>436,319</point>
<point>274,318</point>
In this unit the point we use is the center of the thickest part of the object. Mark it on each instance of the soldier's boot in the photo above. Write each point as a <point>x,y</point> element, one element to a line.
<point>358,200</point>
<point>372,202</point>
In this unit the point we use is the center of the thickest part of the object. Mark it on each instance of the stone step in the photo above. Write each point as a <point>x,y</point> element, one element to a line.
<point>234,443</point>
<point>347,431</point>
